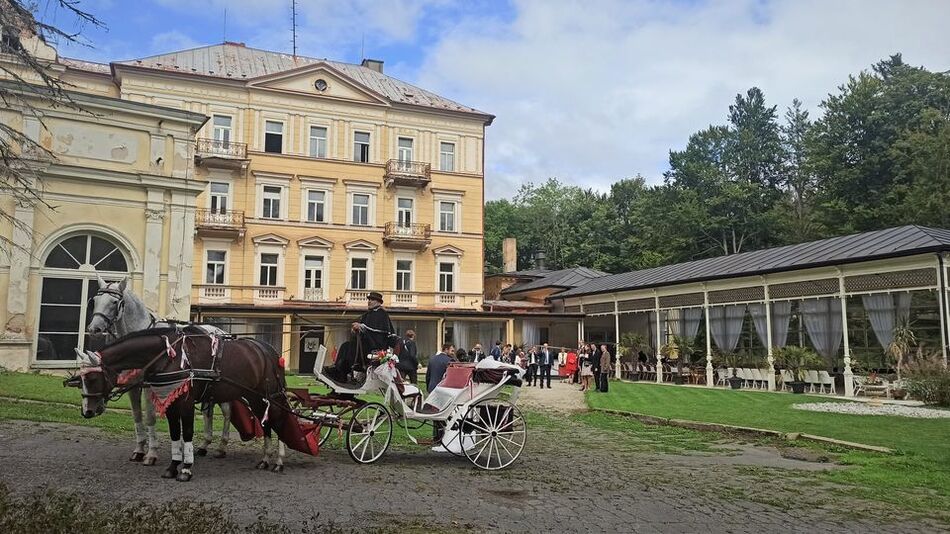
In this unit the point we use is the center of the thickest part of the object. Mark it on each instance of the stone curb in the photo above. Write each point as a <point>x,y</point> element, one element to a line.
<point>733,429</point>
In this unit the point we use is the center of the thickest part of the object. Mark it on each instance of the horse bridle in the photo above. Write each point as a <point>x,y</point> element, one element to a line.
<point>120,306</point>
<point>108,372</point>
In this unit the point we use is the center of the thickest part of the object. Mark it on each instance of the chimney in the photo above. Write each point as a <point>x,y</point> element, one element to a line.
<point>373,64</point>
<point>509,254</point>
<point>539,260</point>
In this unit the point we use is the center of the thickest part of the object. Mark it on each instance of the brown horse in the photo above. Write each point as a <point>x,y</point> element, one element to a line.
<point>185,366</point>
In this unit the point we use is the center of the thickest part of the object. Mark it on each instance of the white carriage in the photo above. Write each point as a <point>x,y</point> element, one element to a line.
<point>475,403</point>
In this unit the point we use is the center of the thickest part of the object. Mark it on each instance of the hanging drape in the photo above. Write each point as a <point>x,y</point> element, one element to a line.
<point>530,333</point>
<point>460,335</point>
<point>885,312</point>
<point>651,328</point>
<point>725,325</point>
<point>822,318</point>
<point>781,314</point>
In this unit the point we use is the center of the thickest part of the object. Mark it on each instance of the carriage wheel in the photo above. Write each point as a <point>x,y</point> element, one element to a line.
<point>494,434</point>
<point>369,433</point>
<point>327,430</point>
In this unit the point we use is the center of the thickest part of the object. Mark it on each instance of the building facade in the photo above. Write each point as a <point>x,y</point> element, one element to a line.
<point>323,181</point>
<point>103,159</point>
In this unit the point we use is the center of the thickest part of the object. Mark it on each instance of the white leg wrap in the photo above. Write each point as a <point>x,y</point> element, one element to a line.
<point>152,438</point>
<point>189,453</point>
<point>176,451</point>
<point>280,452</point>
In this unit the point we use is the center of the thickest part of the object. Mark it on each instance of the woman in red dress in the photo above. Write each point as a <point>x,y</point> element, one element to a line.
<point>570,370</point>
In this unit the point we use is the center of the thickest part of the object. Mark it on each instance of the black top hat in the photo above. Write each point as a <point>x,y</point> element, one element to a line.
<point>374,295</point>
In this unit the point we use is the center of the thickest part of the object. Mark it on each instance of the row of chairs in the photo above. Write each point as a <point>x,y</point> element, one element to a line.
<point>816,381</point>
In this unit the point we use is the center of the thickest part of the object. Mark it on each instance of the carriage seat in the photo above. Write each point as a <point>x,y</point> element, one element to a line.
<point>458,376</point>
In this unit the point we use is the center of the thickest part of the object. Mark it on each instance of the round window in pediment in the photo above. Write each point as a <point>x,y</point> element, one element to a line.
<point>320,84</point>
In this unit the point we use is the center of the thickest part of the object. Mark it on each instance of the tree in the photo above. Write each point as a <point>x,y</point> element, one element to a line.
<point>798,178</point>
<point>28,82</point>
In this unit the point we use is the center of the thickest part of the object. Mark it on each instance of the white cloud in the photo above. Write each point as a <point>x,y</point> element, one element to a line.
<point>172,40</point>
<point>595,91</point>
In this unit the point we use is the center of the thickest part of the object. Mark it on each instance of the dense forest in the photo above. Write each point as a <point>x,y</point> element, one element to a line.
<point>878,156</point>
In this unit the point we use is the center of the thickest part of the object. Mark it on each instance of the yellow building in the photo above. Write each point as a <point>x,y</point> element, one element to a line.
<point>117,195</point>
<point>324,181</point>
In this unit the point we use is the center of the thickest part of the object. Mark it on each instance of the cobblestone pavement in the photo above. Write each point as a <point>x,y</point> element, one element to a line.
<point>568,480</point>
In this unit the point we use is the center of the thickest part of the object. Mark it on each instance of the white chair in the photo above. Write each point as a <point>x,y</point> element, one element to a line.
<point>787,379</point>
<point>812,378</point>
<point>723,376</point>
<point>859,383</point>
<point>826,379</point>
<point>747,380</point>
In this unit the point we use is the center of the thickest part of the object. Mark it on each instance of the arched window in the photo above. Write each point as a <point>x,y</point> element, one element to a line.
<point>69,282</point>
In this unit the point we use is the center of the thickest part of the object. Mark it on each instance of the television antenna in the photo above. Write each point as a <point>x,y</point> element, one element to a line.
<point>293,21</point>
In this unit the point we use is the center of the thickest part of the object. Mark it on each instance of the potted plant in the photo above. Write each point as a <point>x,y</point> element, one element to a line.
<point>797,360</point>
<point>630,345</point>
<point>732,361</point>
<point>901,345</point>
<point>671,352</point>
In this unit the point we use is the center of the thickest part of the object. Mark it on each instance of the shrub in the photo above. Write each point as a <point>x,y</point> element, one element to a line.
<point>797,360</point>
<point>926,379</point>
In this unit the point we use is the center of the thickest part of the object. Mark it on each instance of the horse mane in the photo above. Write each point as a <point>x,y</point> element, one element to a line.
<point>157,331</point>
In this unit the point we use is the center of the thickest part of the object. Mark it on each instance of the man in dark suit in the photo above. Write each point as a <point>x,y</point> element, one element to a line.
<point>435,370</point>
<point>409,359</point>
<point>546,359</point>
<point>368,334</point>
<point>496,351</point>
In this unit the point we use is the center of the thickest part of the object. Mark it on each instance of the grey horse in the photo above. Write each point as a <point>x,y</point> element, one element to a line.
<point>117,311</point>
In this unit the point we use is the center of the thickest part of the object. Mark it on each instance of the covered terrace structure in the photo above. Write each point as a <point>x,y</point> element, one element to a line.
<point>842,297</point>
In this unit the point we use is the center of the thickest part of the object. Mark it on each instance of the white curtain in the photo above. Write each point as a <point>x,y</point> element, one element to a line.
<point>725,325</point>
<point>781,314</point>
<point>886,311</point>
<point>530,333</point>
<point>822,318</point>
<point>460,335</point>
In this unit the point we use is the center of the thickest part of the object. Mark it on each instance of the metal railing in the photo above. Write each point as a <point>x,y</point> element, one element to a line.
<point>205,147</point>
<point>219,219</point>
<point>411,171</point>
<point>416,231</point>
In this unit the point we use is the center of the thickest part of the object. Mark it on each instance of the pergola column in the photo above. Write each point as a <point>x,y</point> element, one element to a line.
<point>848,374</point>
<point>942,302</point>
<point>709,363</point>
<point>768,339</point>
<point>659,339</point>
<point>617,339</point>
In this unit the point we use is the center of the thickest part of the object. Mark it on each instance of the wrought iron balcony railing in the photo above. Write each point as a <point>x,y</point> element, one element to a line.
<point>412,173</point>
<point>219,148</point>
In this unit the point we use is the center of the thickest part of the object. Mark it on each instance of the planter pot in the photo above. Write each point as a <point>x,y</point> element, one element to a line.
<point>679,379</point>
<point>899,394</point>
<point>735,382</point>
<point>797,387</point>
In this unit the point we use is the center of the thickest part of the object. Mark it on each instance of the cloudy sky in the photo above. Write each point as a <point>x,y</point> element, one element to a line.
<point>585,91</point>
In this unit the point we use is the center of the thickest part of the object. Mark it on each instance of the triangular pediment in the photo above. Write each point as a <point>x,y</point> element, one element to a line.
<point>270,239</point>
<point>360,244</point>
<point>315,242</point>
<point>334,84</point>
<point>448,250</point>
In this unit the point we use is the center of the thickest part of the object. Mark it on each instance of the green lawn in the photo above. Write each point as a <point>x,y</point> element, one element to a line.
<point>917,478</point>
<point>927,437</point>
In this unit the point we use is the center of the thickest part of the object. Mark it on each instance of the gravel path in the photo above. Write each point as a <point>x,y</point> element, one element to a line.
<point>570,479</point>
<point>863,408</point>
<point>561,398</point>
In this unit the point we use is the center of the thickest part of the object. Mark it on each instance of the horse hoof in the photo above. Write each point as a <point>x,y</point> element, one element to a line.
<point>150,461</point>
<point>262,465</point>
<point>184,476</point>
<point>137,457</point>
<point>201,452</point>
<point>169,473</point>
<point>219,454</point>
<point>278,469</point>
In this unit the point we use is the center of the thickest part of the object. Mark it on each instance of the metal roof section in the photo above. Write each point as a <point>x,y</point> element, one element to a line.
<point>564,278</point>
<point>236,61</point>
<point>879,244</point>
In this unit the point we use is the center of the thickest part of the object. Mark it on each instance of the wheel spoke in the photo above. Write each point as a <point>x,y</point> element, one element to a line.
<point>506,448</point>
<point>480,452</point>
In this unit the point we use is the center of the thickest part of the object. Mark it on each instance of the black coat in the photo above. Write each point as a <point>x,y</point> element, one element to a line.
<point>409,359</point>
<point>377,319</point>
<point>435,370</point>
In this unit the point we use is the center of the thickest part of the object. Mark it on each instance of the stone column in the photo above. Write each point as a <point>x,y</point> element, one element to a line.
<point>152,260</point>
<point>180,254</point>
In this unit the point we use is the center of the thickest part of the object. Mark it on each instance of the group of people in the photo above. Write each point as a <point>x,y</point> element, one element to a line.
<point>592,362</point>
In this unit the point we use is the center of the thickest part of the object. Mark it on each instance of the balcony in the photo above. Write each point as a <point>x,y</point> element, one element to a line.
<point>268,295</point>
<point>404,299</point>
<point>210,294</point>
<point>219,224</point>
<point>411,237</point>
<point>313,294</point>
<point>446,299</point>
<point>223,154</point>
<point>408,173</point>
<point>357,296</point>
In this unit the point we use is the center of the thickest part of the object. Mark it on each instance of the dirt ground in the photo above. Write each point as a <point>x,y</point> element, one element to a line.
<point>569,479</point>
